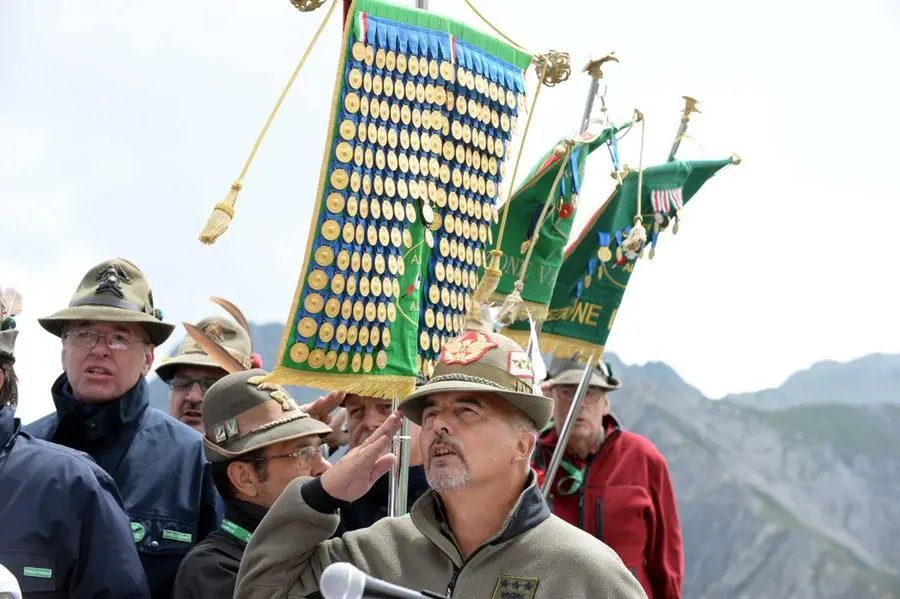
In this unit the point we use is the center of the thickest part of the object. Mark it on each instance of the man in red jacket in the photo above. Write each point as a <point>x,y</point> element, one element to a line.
<point>613,483</point>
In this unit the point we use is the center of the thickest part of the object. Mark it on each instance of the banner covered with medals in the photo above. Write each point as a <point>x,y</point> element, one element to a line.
<point>598,265</point>
<point>424,110</point>
<point>541,213</point>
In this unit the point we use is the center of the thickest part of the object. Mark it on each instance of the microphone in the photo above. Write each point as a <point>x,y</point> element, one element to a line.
<point>345,581</point>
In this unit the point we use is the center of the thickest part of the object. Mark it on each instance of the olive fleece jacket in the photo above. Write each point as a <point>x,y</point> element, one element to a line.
<point>536,555</point>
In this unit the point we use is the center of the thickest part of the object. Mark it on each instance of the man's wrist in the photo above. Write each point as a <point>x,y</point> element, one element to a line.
<point>316,497</point>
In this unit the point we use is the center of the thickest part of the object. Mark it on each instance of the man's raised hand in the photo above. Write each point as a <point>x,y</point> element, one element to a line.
<point>356,472</point>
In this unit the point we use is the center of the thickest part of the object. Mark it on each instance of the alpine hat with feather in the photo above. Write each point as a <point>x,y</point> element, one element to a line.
<point>232,336</point>
<point>113,291</point>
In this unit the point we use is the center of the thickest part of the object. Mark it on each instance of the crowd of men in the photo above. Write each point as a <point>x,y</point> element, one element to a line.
<point>231,493</point>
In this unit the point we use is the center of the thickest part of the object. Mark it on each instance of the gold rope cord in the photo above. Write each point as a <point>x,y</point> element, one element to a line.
<point>224,211</point>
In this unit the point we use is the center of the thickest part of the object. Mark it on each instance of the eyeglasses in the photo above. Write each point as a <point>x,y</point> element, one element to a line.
<point>184,385</point>
<point>304,454</point>
<point>116,340</point>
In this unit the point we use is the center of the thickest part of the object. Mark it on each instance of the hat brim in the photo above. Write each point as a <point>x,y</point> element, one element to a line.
<point>286,430</point>
<point>573,377</point>
<point>166,371</point>
<point>537,407</point>
<point>157,330</point>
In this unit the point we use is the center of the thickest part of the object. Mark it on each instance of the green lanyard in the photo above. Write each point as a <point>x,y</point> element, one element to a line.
<point>238,532</point>
<point>571,483</point>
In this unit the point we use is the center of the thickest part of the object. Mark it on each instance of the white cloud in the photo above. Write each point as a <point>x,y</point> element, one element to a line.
<point>124,124</point>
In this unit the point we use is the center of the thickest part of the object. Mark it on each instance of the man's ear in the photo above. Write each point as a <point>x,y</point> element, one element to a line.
<point>2,379</point>
<point>243,478</point>
<point>525,443</point>
<point>149,354</point>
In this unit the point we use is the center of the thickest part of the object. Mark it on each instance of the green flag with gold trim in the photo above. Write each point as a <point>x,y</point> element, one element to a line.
<point>596,268</point>
<point>556,178</point>
<point>423,112</point>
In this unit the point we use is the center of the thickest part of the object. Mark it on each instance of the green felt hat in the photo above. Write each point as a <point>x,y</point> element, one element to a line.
<point>228,334</point>
<point>241,413</point>
<point>113,291</point>
<point>485,362</point>
<point>567,371</point>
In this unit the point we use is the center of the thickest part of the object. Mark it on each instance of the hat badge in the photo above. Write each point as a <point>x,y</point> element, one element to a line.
<point>215,331</point>
<point>466,349</point>
<point>110,280</point>
<point>275,392</point>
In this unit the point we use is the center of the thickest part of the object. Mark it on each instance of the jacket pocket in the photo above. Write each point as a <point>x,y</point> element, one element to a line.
<point>624,515</point>
<point>155,535</point>
<point>35,573</point>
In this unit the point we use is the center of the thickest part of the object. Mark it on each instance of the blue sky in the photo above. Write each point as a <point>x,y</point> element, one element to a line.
<point>122,124</point>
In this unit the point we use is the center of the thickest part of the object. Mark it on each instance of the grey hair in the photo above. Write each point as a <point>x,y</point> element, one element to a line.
<point>522,423</point>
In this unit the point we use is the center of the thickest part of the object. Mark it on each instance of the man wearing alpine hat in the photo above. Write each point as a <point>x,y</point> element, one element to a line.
<point>258,440</point>
<point>483,530</point>
<point>109,332</point>
<point>613,483</point>
<point>191,372</point>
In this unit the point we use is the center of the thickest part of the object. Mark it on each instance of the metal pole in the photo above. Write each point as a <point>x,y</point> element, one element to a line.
<point>690,105</point>
<point>594,68</point>
<point>395,469</point>
<point>423,4</point>
<point>401,496</point>
<point>566,431</point>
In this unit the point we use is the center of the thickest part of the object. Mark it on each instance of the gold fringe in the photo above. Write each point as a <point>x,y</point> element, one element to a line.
<point>562,347</point>
<point>221,217</point>
<point>367,385</point>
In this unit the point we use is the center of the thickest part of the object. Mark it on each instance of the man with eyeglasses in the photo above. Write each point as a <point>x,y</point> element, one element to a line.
<point>258,440</point>
<point>109,332</point>
<point>191,372</point>
<point>611,482</point>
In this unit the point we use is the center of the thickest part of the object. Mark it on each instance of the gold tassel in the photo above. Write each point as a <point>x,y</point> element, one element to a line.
<point>636,239</point>
<point>509,311</point>
<point>221,217</point>
<point>488,283</point>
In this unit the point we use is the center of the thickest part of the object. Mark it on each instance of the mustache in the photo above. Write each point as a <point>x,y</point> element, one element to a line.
<point>447,441</point>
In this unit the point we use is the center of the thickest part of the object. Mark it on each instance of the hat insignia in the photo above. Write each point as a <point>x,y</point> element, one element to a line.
<point>276,392</point>
<point>519,365</point>
<point>220,433</point>
<point>467,348</point>
<point>231,428</point>
<point>111,279</point>
<point>215,331</point>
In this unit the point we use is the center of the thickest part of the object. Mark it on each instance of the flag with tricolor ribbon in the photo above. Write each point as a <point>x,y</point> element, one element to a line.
<point>595,270</point>
<point>528,221</point>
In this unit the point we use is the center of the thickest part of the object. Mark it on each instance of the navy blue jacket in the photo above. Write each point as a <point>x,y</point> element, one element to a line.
<point>63,531</point>
<point>159,468</point>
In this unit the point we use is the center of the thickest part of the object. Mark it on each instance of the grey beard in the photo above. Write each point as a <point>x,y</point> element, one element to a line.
<point>447,481</point>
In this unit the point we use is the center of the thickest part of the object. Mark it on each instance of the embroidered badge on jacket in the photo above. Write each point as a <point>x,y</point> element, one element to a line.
<point>514,587</point>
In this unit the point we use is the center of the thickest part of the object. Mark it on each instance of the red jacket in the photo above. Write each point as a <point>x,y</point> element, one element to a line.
<point>627,502</point>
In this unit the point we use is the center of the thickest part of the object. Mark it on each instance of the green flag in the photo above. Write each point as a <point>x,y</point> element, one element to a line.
<point>406,194</point>
<point>526,206</point>
<point>596,269</point>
